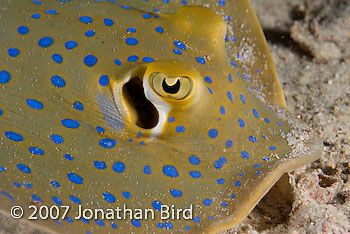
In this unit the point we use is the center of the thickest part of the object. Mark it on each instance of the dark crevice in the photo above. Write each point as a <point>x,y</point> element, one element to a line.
<point>147,114</point>
<point>283,38</point>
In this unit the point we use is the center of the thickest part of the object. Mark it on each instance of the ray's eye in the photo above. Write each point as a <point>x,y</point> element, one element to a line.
<point>173,88</point>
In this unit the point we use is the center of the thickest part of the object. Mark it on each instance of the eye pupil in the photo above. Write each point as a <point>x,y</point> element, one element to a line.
<point>171,89</point>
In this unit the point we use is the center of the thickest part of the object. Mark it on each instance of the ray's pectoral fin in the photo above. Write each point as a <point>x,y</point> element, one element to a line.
<point>148,92</point>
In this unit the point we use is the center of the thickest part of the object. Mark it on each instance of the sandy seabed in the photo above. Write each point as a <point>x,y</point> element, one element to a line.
<point>310,44</point>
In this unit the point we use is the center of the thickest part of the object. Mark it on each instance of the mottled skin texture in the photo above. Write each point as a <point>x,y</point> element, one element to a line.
<point>231,138</point>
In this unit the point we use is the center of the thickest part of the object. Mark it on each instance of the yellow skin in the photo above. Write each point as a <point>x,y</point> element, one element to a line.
<point>231,138</point>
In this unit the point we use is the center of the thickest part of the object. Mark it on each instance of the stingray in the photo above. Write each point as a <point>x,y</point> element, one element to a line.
<point>140,116</point>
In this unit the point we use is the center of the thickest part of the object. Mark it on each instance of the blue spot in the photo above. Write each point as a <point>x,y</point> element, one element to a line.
<point>168,225</point>
<point>228,143</point>
<point>160,225</point>
<point>89,33</point>
<point>267,120</point>
<point>100,164</point>
<point>68,157</point>
<point>221,181</point>
<point>233,196</point>
<point>180,45</point>
<point>224,204</point>
<point>57,201</point>
<point>208,79</point>
<point>171,119</point>
<point>166,1</point>
<point>253,139</point>
<point>13,52</point>
<point>176,51</point>
<point>23,168</point>
<point>256,114</point>
<point>75,178</point>
<point>207,202</point>
<point>242,98</point>
<point>58,81</point>
<point>234,64</point>
<point>241,123</point>
<point>223,159</point>
<point>222,110</point>
<point>221,2</point>
<point>100,129</point>
<point>69,220</point>
<point>36,198</point>
<point>229,95</point>
<point>114,226</point>
<point>195,174</point>
<point>78,105</point>
<point>266,158</point>
<point>107,143</point>
<point>45,42</point>
<point>85,19</point>
<point>125,7</point>
<point>273,148</point>
<point>279,124</point>
<point>147,170</point>
<point>75,199</point>
<point>258,172</point>
<point>108,22</point>
<point>36,151</point>
<point>127,195</point>
<point>7,195</point>
<point>90,60</point>
<point>194,160</point>
<point>109,197</point>
<point>36,16</point>
<point>70,123</point>
<point>14,136</point>
<point>99,222</point>
<point>71,45</point>
<point>245,154</point>
<point>1,112</point>
<point>55,184</point>
<point>104,80</point>
<point>136,223</point>
<point>146,16</point>
<point>246,77</point>
<point>200,60</point>
<point>196,219</point>
<point>35,104</point>
<point>187,228</point>
<point>57,58</point>
<point>230,78</point>
<point>184,2</point>
<point>18,185</point>
<point>2,169</point>
<point>51,12</point>
<point>56,139</point>
<point>131,41</point>
<point>170,171</point>
<point>157,205</point>
<point>159,29</point>
<point>175,193</point>
<point>213,133</point>
<point>131,29</point>
<point>218,164</point>
<point>4,77</point>
<point>133,58</point>
<point>119,167</point>
<point>147,59</point>
<point>117,62</point>
<point>180,129</point>
<point>237,183</point>
<point>23,30</point>
<point>210,91</point>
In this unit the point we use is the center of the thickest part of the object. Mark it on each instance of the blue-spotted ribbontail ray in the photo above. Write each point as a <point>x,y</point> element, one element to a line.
<point>144,105</point>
